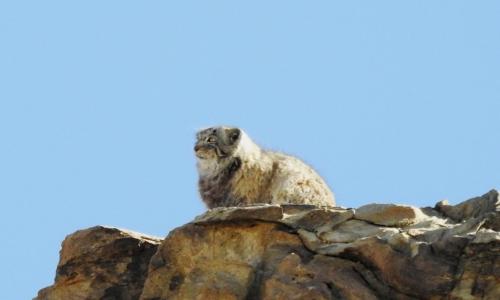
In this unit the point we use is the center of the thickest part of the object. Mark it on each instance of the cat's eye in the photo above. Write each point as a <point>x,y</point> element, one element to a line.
<point>211,139</point>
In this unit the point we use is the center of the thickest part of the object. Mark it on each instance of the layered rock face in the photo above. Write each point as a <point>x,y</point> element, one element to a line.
<point>102,263</point>
<point>378,251</point>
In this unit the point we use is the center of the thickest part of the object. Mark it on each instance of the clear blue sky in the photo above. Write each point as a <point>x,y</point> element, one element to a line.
<point>391,101</point>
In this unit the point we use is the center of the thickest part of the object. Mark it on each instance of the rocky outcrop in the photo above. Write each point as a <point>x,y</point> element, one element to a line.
<point>378,251</point>
<point>102,263</point>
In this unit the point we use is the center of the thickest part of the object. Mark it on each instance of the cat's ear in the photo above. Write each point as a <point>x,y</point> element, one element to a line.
<point>233,135</point>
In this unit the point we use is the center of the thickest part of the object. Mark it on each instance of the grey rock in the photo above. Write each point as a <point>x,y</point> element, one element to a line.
<point>485,236</point>
<point>318,219</point>
<point>353,230</point>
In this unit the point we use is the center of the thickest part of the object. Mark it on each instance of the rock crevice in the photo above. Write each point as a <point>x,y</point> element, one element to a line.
<point>378,251</point>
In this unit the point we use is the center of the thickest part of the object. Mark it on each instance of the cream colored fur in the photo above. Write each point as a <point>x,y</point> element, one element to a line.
<point>271,177</point>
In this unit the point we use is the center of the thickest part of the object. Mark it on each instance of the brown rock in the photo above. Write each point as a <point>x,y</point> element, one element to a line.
<point>216,260</point>
<point>475,207</point>
<point>479,272</point>
<point>294,252</point>
<point>257,212</point>
<point>248,261</point>
<point>389,214</point>
<point>322,277</point>
<point>101,263</point>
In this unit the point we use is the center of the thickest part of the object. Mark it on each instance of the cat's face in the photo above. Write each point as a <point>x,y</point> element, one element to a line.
<point>217,142</point>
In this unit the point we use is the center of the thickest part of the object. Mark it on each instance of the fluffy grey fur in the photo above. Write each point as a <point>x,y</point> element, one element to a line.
<point>234,171</point>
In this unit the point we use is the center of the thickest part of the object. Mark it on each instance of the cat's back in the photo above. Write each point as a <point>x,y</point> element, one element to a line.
<point>294,181</point>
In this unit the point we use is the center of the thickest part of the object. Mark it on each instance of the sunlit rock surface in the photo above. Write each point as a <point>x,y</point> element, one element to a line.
<point>102,263</point>
<point>379,251</point>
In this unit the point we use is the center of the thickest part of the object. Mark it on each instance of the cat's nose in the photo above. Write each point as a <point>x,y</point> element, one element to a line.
<point>197,147</point>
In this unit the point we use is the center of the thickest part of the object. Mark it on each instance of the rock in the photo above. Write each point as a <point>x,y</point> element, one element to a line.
<point>101,263</point>
<point>296,278</point>
<point>389,214</point>
<point>478,275</point>
<point>471,208</point>
<point>319,219</point>
<point>379,251</point>
<point>260,212</point>
<point>218,260</point>
<point>484,236</point>
<point>353,230</point>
